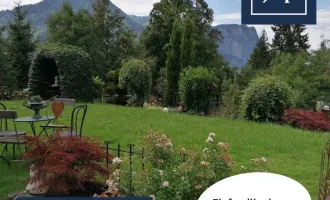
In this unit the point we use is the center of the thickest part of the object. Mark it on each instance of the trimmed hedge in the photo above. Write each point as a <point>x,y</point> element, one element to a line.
<point>265,99</point>
<point>73,68</point>
<point>195,89</point>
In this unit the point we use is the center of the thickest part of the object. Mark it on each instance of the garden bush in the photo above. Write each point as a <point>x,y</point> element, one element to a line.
<point>66,165</point>
<point>265,99</point>
<point>195,89</point>
<point>308,120</point>
<point>136,77</point>
<point>176,173</point>
<point>72,66</point>
<point>231,99</point>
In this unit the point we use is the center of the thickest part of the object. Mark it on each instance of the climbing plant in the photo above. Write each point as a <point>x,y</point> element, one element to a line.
<point>72,66</point>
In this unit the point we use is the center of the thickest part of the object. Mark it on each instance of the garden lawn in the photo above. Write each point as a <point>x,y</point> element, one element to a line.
<point>293,153</point>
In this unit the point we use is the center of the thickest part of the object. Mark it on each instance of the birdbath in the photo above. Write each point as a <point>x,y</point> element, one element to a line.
<point>36,104</point>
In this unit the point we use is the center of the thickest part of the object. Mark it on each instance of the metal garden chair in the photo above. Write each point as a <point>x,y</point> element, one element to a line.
<point>77,122</point>
<point>11,137</point>
<point>57,124</point>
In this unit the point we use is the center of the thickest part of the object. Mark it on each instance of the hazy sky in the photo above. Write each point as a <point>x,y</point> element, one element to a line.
<point>226,12</point>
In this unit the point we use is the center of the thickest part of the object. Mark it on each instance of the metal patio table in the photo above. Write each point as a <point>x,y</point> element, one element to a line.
<point>31,121</point>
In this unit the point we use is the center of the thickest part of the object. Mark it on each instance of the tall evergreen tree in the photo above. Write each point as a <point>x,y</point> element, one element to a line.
<point>21,44</point>
<point>7,75</point>
<point>261,56</point>
<point>324,45</point>
<point>187,44</point>
<point>173,65</point>
<point>290,38</point>
<point>113,41</point>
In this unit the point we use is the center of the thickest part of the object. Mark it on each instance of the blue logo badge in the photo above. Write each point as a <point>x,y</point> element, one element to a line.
<point>278,11</point>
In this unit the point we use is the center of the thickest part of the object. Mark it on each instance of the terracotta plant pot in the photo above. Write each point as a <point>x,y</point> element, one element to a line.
<point>180,109</point>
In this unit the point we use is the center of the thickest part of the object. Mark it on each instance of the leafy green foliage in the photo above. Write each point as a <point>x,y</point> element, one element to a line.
<point>290,38</point>
<point>231,100</point>
<point>179,173</point>
<point>136,77</point>
<point>7,75</point>
<point>307,74</point>
<point>195,89</point>
<point>265,99</point>
<point>99,87</point>
<point>261,56</point>
<point>102,34</point>
<point>187,43</point>
<point>73,66</point>
<point>21,45</point>
<point>173,65</point>
<point>205,39</point>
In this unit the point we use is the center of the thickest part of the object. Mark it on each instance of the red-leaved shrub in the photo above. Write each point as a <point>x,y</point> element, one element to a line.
<point>308,120</point>
<point>65,165</point>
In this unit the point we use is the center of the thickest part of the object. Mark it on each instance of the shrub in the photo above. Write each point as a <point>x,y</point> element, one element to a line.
<point>72,66</point>
<point>231,99</point>
<point>136,77</point>
<point>65,165</point>
<point>178,173</point>
<point>195,89</point>
<point>314,121</point>
<point>265,99</point>
<point>99,87</point>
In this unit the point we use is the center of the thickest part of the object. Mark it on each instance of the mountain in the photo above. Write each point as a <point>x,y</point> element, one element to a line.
<point>38,13</point>
<point>239,43</point>
<point>239,40</point>
<point>144,20</point>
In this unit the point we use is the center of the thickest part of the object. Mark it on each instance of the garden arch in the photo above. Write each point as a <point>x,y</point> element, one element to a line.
<point>70,64</point>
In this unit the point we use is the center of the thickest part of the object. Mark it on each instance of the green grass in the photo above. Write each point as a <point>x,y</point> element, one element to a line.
<point>293,153</point>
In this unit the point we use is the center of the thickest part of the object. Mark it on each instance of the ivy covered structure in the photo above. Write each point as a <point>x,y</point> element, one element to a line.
<point>70,64</point>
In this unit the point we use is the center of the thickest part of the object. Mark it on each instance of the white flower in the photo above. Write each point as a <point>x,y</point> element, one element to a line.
<point>182,178</point>
<point>211,134</point>
<point>166,184</point>
<point>209,139</point>
<point>169,144</point>
<point>117,172</point>
<point>205,150</point>
<point>161,172</point>
<point>263,159</point>
<point>243,167</point>
<point>116,160</point>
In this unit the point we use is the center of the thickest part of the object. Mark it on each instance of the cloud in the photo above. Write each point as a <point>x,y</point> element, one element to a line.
<point>314,31</point>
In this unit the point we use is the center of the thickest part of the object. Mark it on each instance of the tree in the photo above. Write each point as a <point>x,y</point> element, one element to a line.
<point>7,75</point>
<point>173,65</point>
<point>21,45</point>
<point>67,27</point>
<point>102,34</point>
<point>290,38</point>
<point>206,39</point>
<point>136,77</point>
<point>325,43</point>
<point>187,44</point>
<point>261,56</point>
<point>113,42</point>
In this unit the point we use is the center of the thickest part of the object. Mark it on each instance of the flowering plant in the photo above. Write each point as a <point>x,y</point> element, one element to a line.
<point>181,174</point>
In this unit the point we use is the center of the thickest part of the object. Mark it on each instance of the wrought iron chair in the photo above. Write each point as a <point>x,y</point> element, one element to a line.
<point>66,102</point>
<point>11,137</point>
<point>77,121</point>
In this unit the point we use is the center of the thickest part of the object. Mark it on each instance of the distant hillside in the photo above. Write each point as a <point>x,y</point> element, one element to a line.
<point>38,13</point>
<point>144,20</point>
<point>239,43</point>
<point>239,40</point>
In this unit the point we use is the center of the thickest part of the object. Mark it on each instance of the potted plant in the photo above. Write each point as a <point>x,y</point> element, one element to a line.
<point>35,103</point>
